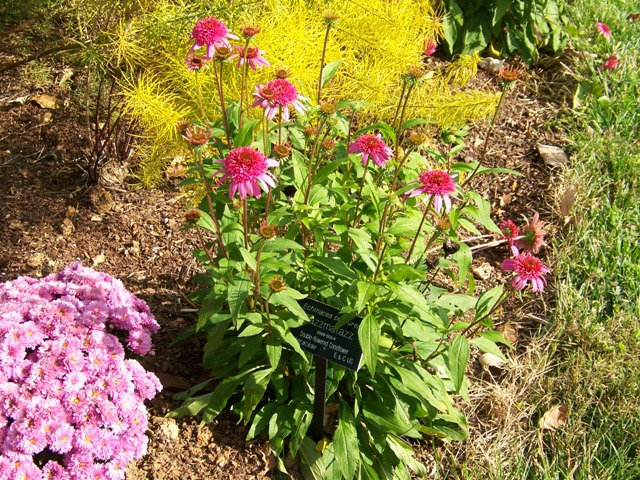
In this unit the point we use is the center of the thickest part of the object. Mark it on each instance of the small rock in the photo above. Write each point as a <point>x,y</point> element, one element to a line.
<point>490,64</point>
<point>67,227</point>
<point>100,199</point>
<point>168,430</point>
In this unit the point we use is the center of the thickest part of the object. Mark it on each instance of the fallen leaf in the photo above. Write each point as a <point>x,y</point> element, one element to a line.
<point>567,201</point>
<point>552,156</point>
<point>47,101</point>
<point>484,271</point>
<point>490,360</point>
<point>633,17</point>
<point>96,218</point>
<point>509,331</point>
<point>555,418</point>
<point>98,259</point>
<point>15,225</point>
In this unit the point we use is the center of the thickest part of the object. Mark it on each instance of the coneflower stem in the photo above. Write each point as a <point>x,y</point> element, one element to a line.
<point>222,105</point>
<point>199,96</point>
<point>324,51</point>
<point>415,239</point>
<point>212,213</point>
<point>245,223</point>
<point>355,213</point>
<point>243,84</point>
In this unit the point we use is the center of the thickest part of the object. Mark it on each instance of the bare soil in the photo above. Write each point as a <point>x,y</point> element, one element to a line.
<point>50,216</point>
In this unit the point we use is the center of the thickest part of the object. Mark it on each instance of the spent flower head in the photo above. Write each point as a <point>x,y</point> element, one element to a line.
<point>196,135</point>
<point>510,230</point>
<point>436,184</point>
<point>247,168</point>
<point>282,72</point>
<point>371,145</point>
<point>529,269</point>
<point>250,31</point>
<point>282,150</point>
<point>532,235</point>
<point>195,62</point>
<point>330,18</point>
<point>268,231</point>
<point>509,74</point>
<point>210,33</point>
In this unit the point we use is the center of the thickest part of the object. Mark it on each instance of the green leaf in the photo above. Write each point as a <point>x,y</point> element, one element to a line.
<point>404,453</point>
<point>488,346</point>
<point>345,442</point>
<point>329,70</point>
<point>281,245</point>
<point>463,257</point>
<point>487,301</point>
<point>477,35</point>
<point>384,128</point>
<point>289,298</point>
<point>456,302</point>
<point>369,338</point>
<point>499,11</point>
<point>336,265</point>
<point>457,360</point>
<point>244,136</point>
<point>274,351</point>
<point>366,290</point>
<point>237,293</point>
<point>248,258</point>
<point>484,212</point>
<point>311,462</point>
<point>414,122</point>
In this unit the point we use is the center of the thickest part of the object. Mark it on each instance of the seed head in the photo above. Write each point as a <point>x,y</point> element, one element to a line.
<point>281,150</point>
<point>328,143</point>
<point>192,215</point>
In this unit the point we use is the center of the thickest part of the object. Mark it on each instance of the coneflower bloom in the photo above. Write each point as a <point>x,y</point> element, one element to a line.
<point>211,33</point>
<point>532,236</point>
<point>195,62</point>
<point>254,57</point>
<point>430,49</point>
<point>509,230</point>
<point>246,167</point>
<point>438,184</point>
<point>371,145</point>
<point>603,29</point>
<point>278,94</point>
<point>610,63</point>
<point>529,269</point>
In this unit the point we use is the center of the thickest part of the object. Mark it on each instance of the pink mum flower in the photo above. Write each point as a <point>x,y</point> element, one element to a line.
<point>210,32</point>
<point>528,269</point>
<point>603,29</point>
<point>438,184</point>
<point>278,93</point>
<point>371,145</point>
<point>430,49</point>
<point>247,169</point>
<point>610,63</point>
<point>532,237</point>
<point>254,57</point>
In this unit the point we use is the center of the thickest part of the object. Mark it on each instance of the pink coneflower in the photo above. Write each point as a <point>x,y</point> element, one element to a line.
<point>210,32</point>
<point>372,145</point>
<point>254,57</point>
<point>528,269</point>
<point>532,236</point>
<point>278,94</point>
<point>430,49</point>
<point>195,62</point>
<point>603,29</point>
<point>247,169</point>
<point>610,63</point>
<point>438,184</point>
<point>509,230</point>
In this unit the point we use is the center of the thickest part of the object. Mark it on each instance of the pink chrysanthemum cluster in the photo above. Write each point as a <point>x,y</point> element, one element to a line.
<point>71,404</point>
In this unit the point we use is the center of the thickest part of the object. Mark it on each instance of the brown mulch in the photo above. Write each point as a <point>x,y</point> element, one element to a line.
<point>50,217</point>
